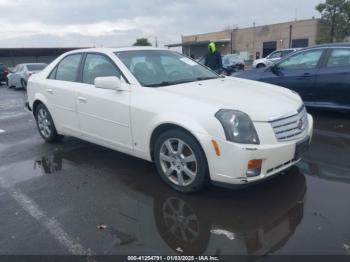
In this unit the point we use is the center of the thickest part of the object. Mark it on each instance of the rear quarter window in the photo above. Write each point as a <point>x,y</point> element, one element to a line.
<point>339,58</point>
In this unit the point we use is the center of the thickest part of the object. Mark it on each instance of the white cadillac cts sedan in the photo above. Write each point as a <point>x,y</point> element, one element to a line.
<point>164,107</point>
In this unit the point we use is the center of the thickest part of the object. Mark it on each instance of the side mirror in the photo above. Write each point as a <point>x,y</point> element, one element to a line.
<point>108,82</point>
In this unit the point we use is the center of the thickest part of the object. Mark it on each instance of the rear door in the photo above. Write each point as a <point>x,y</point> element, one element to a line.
<point>333,80</point>
<point>297,72</point>
<point>61,93</point>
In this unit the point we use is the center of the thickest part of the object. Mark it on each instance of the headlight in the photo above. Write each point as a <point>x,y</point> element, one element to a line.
<point>238,127</point>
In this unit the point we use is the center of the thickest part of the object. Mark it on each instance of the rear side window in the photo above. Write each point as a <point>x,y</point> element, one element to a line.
<point>339,58</point>
<point>37,67</point>
<point>67,69</point>
<point>287,52</point>
<point>98,66</point>
<point>275,55</point>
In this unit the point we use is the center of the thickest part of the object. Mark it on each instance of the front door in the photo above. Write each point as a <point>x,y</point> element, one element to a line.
<point>104,114</point>
<point>297,72</point>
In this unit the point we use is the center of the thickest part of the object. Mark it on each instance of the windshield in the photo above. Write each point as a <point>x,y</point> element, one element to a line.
<point>36,67</point>
<point>153,68</point>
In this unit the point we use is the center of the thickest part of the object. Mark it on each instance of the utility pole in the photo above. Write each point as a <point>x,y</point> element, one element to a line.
<point>290,35</point>
<point>254,52</point>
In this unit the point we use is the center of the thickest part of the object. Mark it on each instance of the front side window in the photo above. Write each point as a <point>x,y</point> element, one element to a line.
<point>154,68</point>
<point>67,69</point>
<point>98,66</point>
<point>304,60</point>
<point>339,58</point>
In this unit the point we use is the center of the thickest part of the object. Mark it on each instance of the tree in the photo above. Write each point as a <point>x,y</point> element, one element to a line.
<point>335,16</point>
<point>142,42</point>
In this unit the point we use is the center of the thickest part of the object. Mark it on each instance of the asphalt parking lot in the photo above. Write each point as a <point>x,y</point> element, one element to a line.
<point>78,198</point>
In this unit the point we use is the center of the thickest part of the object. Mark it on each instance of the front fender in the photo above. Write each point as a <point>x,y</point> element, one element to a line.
<point>143,139</point>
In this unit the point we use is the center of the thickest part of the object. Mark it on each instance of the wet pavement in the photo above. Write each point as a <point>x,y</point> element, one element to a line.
<point>53,197</point>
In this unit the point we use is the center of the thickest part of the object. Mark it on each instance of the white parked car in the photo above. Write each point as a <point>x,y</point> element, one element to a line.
<point>18,78</point>
<point>161,106</point>
<point>273,57</point>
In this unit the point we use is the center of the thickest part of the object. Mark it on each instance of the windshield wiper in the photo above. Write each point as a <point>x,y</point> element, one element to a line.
<point>164,83</point>
<point>206,78</point>
<point>169,83</point>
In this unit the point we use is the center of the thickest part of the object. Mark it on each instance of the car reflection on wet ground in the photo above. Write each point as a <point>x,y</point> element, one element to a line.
<point>53,197</point>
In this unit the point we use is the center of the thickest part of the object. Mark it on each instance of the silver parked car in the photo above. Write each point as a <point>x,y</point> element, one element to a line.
<point>273,57</point>
<point>18,78</point>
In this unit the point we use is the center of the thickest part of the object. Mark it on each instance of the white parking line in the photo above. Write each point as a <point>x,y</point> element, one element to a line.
<point>2,131</point>
<point>51,224</point>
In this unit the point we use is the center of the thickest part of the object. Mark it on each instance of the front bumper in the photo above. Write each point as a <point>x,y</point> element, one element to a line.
<point>231,166</point>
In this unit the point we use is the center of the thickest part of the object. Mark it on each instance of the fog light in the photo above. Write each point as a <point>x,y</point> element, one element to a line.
<point>254,168</point>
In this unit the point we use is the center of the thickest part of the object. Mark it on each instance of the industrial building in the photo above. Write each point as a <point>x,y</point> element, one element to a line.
<point>256,41</point>
<point>13,56</point>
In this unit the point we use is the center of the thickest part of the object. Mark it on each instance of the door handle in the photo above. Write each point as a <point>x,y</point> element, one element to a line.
<point>306,75</point>
<point>50,91</point>
<point>82,99</point>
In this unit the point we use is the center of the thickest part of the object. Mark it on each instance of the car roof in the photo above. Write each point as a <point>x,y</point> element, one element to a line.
<point>287,49</point>
<point>120,49</point>
<point>346,44</point>
<point>25,64</point>
<point>330,45</point>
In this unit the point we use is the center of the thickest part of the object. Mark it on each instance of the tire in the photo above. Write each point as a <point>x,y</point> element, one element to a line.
<point>45,124</point>
<point>260,66</point>
<point>184,169</point>
<point>24,84</point>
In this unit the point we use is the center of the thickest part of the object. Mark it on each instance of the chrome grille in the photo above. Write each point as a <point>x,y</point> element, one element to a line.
<point>292,127</point>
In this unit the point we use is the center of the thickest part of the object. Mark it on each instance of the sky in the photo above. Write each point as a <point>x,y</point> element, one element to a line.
<point>115,23</point>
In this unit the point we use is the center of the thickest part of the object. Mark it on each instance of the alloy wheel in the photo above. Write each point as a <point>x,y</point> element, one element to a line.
<point>44,123</point>
<point>178,162</point>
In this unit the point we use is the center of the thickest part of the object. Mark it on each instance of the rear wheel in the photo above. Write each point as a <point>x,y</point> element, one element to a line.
<point>45,124</point>
<point>181,161</point>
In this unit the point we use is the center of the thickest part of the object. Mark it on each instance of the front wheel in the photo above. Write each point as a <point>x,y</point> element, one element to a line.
<point>181,161</point>
<point>45,124</point>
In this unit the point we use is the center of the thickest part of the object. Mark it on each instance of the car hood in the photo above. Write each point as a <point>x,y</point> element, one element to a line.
<point>262,102</point>
<point>252,74</point>
<point>261,60</point>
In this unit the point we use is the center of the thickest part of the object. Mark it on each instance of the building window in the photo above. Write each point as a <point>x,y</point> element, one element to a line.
<point>269,47</point>
<point>300,43</point>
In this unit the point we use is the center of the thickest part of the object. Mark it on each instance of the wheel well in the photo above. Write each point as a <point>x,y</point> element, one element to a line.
<point>261,64</point>
<point>35,105</point>
<point>166,127</point>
